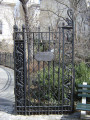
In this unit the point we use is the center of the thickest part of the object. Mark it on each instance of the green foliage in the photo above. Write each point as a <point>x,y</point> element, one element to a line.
<point>43,45</point>
<point>50,81</point>
<point>82,74</point>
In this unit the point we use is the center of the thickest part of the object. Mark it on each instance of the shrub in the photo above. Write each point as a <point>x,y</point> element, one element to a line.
<point>82,74</point>
<point>51,83</point>
<point>48,89</point>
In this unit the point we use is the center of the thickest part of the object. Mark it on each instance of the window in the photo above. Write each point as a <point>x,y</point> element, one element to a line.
<point>0,27</point>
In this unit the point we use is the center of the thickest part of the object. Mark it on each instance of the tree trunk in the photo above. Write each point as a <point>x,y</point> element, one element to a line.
<point>29,45</point>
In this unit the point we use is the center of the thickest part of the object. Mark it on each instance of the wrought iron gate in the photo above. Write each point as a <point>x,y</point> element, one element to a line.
<point>44,70</point>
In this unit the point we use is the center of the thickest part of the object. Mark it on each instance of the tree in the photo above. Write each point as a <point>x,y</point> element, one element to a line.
<point>24,6</point>
<point>81,18</point>
<point>29,45</point>
<point>56,15</point>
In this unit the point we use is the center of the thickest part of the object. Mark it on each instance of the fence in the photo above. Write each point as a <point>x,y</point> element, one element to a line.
<point>44,70</point>
<point>6,59</point>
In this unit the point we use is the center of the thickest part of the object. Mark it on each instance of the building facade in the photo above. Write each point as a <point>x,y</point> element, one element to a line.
<point>6,25</point>
<point>11,13</point>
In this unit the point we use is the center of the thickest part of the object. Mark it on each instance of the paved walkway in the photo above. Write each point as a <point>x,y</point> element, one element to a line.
<point>6,86</point>
<point>7,101</point>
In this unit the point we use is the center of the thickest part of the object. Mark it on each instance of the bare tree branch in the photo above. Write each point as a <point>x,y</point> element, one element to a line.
<point>62,3</point>
<point>54,13</point>
<point>30,41</point>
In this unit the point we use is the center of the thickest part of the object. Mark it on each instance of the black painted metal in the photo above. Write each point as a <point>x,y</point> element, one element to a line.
<point>44,86</point>
<point>20,71</point>
<point>6,59</point>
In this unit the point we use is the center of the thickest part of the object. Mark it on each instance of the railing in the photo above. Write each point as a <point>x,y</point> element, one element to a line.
<point>6,59</point>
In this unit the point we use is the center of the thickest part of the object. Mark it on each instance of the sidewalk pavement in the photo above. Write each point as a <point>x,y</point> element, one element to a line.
<point>6,86</point>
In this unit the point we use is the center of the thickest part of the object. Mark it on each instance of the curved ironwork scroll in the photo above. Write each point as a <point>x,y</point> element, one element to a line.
<point>69,20</point>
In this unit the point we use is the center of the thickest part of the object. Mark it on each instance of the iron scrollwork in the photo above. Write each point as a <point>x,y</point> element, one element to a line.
<point>69,20</point>
<point>19,69</point>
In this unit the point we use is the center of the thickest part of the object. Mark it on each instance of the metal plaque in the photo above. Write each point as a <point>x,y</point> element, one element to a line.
<point>44,56</point>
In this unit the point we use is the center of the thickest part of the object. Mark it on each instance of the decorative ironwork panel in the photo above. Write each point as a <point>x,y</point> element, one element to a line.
<point>19,71</point>
<point>68,61</point>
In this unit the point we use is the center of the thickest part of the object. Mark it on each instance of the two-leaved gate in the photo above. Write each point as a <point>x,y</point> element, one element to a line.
<point>44,70</point>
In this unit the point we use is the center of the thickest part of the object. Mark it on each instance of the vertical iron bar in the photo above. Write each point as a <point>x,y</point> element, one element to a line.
<point>46,71</point>
<point>0,58</point>
<point>5,58</point>
<point>73,70</point>
<point>53,68</point>
<point>55,64</point>
<point>33,53</point>
<point>10,60</point>
<point>33,63</point>
<point>63,73</point>
<point>25,73</point>
<point>39,66</point>
<point>43,73</point>
<point>15,82</point>
<point>59,73</point>
<point>29,52</point>
<point>49,75</point>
